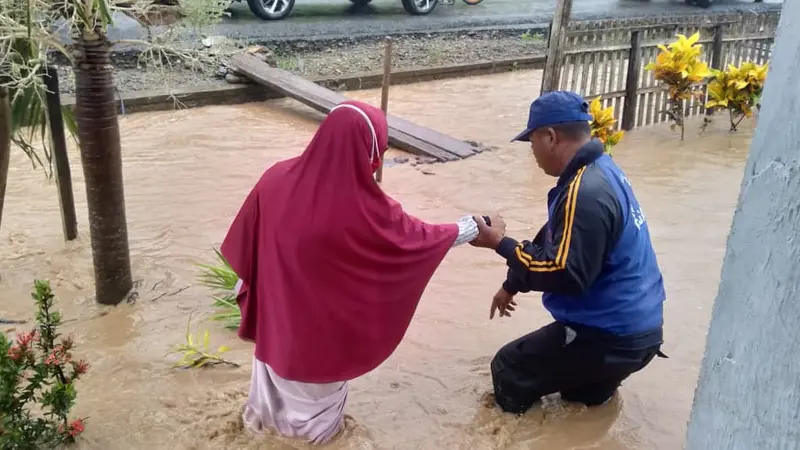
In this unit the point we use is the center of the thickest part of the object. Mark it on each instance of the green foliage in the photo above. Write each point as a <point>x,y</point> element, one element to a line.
<point>37,382</point>
<point>198,14</point>
<point>196,353</point>
<point>31,29</point>
<point>221,279</point>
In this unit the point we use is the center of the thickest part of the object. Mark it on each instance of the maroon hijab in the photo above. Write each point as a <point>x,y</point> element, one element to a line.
<point>332,268</point>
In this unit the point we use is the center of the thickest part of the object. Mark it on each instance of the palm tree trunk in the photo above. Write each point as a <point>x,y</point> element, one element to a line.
<point>5,145</point>
<point>101,155</point>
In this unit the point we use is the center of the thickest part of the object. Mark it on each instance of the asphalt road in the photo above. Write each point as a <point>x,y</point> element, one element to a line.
<point>337,18</point>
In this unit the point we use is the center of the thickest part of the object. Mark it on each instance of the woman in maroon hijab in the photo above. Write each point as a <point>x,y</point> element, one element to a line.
<point>331,271</point>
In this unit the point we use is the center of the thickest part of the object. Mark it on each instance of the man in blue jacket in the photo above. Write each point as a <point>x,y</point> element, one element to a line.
<point>593,261</point>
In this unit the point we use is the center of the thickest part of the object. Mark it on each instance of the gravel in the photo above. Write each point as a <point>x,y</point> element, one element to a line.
<point>326,58</point>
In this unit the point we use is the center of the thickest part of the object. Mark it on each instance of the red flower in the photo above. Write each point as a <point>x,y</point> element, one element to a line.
<point>80,367</point>
<point>15,353</point>
<point>52,359</point>
<point>76,427</point>
<point>25,339</point>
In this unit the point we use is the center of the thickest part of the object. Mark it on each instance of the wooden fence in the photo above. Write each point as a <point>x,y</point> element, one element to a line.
<point>607,58</point>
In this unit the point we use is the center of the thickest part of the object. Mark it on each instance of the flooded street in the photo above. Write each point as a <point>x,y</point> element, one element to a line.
<point>186,174</point>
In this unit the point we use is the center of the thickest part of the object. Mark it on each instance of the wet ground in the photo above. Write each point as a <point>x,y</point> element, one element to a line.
<point>337,18</point>
<point>185,177</point>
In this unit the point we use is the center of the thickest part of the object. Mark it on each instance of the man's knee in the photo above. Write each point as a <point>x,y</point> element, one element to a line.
<point>590,396</point>
<point>504,358</point>
<point>512,392</point>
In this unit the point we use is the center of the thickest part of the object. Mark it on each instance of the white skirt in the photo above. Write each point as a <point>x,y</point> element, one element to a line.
<point>311,411</point>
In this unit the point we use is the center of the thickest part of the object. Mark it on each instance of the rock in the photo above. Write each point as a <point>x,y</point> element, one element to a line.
<point>401,159</point>
<point>155,14</point>
<point>212,41</point>
<point>222,71</point>
<point>193,64</point>
<point>253,49</point>
<point>427,172</point>
<point>233,79</point>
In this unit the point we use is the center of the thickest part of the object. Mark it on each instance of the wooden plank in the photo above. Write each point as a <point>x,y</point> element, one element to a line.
<point>402,133</point>
<point>632,82</point>
<point>653,43</point>
<point>555,45</point>
<point>623,28</point>
<point>387,81</point>
<point>58,140</point>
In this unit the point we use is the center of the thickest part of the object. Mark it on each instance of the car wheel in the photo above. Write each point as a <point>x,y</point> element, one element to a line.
<point>419,7</point>
<point>271,9</point>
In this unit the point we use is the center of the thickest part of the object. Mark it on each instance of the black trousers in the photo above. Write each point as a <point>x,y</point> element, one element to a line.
<point>584,364</point>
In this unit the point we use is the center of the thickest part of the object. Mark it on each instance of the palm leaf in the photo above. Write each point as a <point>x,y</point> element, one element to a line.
<point>222,279</point>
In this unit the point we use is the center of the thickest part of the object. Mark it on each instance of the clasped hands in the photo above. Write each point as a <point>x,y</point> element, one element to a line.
<point>490,237</point>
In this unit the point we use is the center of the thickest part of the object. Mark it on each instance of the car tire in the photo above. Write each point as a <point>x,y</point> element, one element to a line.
<point>419,7</point>
<point>261,8</point>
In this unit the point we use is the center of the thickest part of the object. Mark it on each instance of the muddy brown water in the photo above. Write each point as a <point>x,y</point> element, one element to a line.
<point>186,173</point>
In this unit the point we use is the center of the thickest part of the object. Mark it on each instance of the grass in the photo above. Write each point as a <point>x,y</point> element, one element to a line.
<point>291,63</point>
<point>197,352</point>
<point>221,279</point>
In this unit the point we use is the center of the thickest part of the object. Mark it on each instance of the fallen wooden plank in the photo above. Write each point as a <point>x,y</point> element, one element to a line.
<point>402,133</point>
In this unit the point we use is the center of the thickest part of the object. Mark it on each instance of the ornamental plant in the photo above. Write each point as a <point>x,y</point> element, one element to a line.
<point>602,125</point>
<point>737,89</point>
<point>37,382</point>
<point>681,69</point>
<point>198,353</point>
<point>221,279</point>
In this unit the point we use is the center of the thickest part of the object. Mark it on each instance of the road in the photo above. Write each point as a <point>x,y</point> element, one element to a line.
<point>336,18</point>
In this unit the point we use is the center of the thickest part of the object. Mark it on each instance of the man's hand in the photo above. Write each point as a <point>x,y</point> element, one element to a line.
<point>489,236</point>
<point>503,302</point>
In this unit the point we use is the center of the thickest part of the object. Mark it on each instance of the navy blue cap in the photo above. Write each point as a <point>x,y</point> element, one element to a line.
<point>553,108</point>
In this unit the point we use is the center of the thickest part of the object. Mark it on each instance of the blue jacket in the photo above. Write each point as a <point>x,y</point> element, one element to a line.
<point>593,259</point>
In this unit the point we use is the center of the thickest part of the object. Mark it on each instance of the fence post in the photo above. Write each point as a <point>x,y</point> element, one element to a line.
<point>58,140</point>
<point>716,57</point>
<point>632,81</point>
<point>387,75</point>
<point>555,46</point>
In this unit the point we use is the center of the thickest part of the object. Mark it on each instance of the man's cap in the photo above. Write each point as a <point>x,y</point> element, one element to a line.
<point>554,108</point>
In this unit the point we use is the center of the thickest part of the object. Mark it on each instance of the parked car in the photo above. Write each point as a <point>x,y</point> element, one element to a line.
<point>707,3</point>
<point>278,9</point>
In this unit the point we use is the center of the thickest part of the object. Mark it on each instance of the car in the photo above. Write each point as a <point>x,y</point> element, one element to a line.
<point>279,9</point>
<point>707,3</point>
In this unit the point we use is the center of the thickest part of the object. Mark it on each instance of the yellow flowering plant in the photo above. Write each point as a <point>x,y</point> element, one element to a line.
<point>737,89</point>
<point>602,125</point>
<point>680,67</point>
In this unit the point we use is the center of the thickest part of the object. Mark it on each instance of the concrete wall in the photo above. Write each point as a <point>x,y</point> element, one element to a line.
<point>748,396</point>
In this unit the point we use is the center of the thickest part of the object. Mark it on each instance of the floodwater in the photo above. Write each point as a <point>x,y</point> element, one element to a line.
<point>187,172</point>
